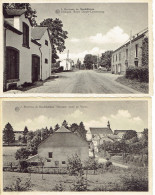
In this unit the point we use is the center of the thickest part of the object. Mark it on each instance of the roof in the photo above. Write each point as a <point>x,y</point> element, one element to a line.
<point>134,38</point>
<point>100,130</point>
<point>121,131</point>
<point>14,12</point>
<point>18,131</point>
<point>38,32</point>
<point>62,129</point>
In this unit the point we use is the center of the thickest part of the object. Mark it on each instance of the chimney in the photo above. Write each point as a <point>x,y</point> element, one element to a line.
<point>108,125</point>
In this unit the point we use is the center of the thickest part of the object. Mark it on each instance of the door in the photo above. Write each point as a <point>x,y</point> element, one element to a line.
<point>35,68</point>
<point>12,63</point>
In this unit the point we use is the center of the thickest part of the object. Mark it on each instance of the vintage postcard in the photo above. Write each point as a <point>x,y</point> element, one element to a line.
<point>77,49</point>
<point>55,145</point>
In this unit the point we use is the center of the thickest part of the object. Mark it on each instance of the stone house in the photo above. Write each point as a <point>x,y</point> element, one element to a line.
<point>129,54</point>
<point>59,146</point>
<point>27,58</point>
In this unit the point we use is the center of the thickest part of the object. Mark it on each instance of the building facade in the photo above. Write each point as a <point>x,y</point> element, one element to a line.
<point>59,146</point>
<point>24,56</point>
<point>129,54</point>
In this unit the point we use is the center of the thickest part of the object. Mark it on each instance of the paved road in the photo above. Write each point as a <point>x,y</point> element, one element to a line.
<point>85,82</point>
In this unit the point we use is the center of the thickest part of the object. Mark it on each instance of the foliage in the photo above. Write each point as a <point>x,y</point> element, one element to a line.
<point>145,55</point>
<point>74,165</point>
<point>139,73</point>
<point>30,13</point>
<point>82,131</point>
<point>65,124</point>
<point>105,60</point>
<point>90,60</point>
<point>56,127</point>
<point>92,164</point>
<point>59,188</point>
<point>19,186</point>
<point>135,182</point>
<point>57,36</point>
<point>129,134</point>
<point>51,130</point>
<point>78,64</point>
<point>32,145</point>
<point>22,153</point>
<point>80,184</point>
<point>45,133</point>
<point>8,134</point>
<point>23,166</point>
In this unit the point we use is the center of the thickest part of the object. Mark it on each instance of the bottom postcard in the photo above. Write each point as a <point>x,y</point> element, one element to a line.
<point>101,145</point>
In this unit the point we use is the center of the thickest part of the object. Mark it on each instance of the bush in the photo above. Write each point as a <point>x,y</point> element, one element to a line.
<point>80,184</point>
<point>139,73</point>
<point>59,188</point>
<point>23,165</point>
<point>19,186</point>
<point>74,165</point>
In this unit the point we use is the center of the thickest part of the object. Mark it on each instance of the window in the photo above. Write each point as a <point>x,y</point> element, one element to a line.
<point>50,155</point>
<point>119,56</point>
<point>46,61</point>
<point>126,53</point>
<point>12,63</point>
<point>136,48</point>
<point>63,162</point>
<point>46,42</point>
<point>25,35</point>
<point>48,160</point>
<point>116,57</point>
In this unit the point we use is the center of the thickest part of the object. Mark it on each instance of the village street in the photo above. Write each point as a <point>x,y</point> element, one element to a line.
<point>83,81</point>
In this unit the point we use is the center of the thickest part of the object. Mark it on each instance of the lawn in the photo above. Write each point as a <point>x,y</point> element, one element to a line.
<point>134,84</point>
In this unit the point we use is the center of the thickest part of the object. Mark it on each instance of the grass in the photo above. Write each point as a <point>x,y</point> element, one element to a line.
<point>110,180</point>
<point>134,84</point>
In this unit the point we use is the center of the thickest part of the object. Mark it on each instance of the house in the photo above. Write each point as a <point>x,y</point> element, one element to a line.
<point>100,134</point>
<point>67,64</point>
<point>59,146</point>
<point>129,54</point>
<point>121,133</point>
<point>27,55</point>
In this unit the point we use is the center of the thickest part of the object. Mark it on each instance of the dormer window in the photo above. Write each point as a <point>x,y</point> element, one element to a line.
<point>25,35</point>
<point>46,42</point>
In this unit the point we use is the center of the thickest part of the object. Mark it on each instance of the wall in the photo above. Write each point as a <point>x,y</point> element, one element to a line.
<point>46,53</point>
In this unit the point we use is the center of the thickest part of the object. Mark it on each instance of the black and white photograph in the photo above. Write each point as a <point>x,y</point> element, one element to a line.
<point>76,48</point>
<point>96,145</point>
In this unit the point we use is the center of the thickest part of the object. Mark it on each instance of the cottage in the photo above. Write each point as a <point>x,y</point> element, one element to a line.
<point>26,58</point>
<point>62,144</point>
<point>129,54</point>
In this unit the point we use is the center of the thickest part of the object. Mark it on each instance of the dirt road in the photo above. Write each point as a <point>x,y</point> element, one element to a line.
<point>85,82</point>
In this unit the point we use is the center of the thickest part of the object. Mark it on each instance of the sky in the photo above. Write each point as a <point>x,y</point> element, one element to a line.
<point>123,115</point>
<point>107,27</point>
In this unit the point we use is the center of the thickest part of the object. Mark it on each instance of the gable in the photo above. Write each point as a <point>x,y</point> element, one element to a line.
<point>38,32</point>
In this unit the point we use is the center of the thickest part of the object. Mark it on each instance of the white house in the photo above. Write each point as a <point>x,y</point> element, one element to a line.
<point>66,64</point>
<point>60,146</point>
<point>26,58</point>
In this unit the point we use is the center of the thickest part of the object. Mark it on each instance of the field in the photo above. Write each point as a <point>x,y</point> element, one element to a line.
<point>107,181</point>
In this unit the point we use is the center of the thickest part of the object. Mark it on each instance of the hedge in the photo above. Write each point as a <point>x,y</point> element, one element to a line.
<point>139,73</point>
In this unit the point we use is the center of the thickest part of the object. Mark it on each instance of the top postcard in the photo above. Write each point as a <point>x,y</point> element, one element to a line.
<point>77,49</point>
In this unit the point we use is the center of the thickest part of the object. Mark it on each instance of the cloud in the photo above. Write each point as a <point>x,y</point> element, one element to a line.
<point>74,40</point>
<point>114,35</point>
<point>81,55</point>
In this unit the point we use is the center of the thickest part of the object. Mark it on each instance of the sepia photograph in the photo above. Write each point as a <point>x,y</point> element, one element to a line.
<point>76,48</point>
<point>95,145</point>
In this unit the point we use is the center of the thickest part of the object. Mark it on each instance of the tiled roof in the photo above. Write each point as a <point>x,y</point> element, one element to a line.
<point>62,129</point>
<point>100,130</point>
<point>38,32</point>
<point>15,12</point>
<point>120,131</point>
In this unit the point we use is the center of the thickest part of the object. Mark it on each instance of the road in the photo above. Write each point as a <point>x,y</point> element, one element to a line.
<point>84,82</point>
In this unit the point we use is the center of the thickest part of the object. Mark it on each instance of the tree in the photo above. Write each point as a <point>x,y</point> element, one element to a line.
<point>82,131</point>
<point>57,36</point>
<point>25,132</point>
<point>65,124</point>
<point>74,127</point>
<point>45,133</point>
<point>30,135</point>
<point>105,60</point>
<point>129,134</point>
<point>32,145</point>
<point>51,130</point>
<point>22,154</point>
<point>30,13</point>
<point>89,61</point>
<point>56,127</point>
<point>8,134</point>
